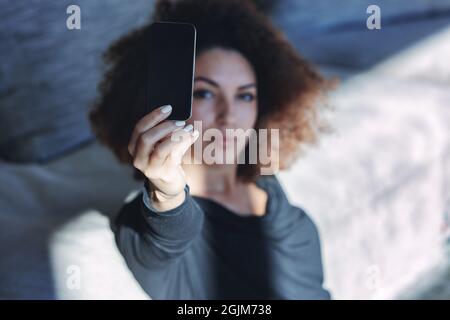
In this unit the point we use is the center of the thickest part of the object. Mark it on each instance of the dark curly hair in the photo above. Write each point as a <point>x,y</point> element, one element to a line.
<point>288,86</point>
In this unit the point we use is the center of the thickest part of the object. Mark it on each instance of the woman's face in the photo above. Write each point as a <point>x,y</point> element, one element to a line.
<point>225,94</point>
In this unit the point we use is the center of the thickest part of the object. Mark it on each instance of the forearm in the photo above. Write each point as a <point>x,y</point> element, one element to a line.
<point>151,237</point>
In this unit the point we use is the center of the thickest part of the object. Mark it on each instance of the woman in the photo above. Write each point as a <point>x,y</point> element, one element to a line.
<point>214,231</point>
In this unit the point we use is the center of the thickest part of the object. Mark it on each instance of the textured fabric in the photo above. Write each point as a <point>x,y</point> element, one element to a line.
<point>49,74</point>
<point>202,250</point>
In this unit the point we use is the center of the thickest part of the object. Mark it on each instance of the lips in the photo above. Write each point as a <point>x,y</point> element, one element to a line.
<point>226,140</point>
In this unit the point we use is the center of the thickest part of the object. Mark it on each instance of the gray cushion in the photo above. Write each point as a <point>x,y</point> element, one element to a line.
<point>49,74</point>
<point>333,33</point>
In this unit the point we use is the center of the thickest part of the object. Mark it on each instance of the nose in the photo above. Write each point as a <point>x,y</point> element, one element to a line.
<point>224,114</point>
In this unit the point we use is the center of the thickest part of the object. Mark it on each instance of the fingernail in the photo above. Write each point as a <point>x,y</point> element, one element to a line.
<point>166,109</point>
<point>179,123</point>
<point>188,128</point>
<point>195,134</point>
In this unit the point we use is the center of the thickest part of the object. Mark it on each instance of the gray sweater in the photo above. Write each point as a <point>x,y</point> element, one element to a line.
<point>202,250</point>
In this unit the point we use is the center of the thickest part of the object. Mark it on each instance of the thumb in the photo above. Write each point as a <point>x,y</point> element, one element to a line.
<point>184,146</point>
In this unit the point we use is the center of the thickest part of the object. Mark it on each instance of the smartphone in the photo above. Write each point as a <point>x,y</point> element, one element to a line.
<point>171,66</point>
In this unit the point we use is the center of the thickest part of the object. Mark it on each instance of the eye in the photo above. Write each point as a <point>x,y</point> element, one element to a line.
<point>248,97</point>
<point>202,94</point>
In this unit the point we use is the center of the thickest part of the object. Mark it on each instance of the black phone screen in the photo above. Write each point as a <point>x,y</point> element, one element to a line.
<point>171,67</point>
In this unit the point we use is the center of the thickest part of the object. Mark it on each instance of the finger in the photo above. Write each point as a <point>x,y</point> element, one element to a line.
<point>146,141</point>
<point>145,123</point>
<point>183,146</point>
<point>169,153</point>
<point>167,145</point>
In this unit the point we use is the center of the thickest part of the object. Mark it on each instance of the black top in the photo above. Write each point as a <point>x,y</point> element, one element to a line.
<point>202,250</point>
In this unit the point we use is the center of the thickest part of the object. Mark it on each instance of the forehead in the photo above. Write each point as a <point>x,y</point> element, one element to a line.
<point>224,66</point>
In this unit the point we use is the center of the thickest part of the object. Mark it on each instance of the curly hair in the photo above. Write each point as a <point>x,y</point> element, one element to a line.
<point>288,86</point>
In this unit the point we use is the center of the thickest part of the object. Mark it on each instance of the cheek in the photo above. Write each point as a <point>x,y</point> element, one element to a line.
<point>202,111</point>
<point>247,115</point>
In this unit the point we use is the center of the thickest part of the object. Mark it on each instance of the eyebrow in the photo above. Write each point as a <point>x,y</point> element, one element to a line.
<point>215,84</point>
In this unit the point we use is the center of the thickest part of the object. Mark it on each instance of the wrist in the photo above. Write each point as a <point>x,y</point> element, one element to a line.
<point>160,201</point>
<point>160,197</point>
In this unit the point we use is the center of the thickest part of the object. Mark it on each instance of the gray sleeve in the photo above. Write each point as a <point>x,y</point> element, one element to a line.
<point>156,239</point>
